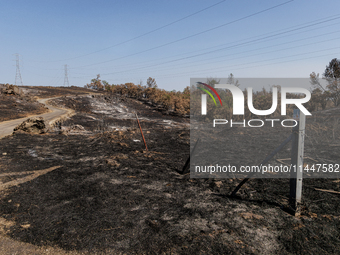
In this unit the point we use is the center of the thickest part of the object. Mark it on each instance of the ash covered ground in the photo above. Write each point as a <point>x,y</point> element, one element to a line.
<point>109,195</point>
<point>19,106</point>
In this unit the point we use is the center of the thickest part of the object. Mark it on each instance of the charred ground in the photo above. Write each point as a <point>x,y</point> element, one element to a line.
<point>110,195</point>
<point>47,92</point>
<point>15,105</point>
<point>18,102</point>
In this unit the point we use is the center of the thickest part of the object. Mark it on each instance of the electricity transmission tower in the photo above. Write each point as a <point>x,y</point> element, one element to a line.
<point>18,78</point>
<point>66,83</point>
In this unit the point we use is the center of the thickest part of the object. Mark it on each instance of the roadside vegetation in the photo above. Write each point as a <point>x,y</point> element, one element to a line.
<point>171,101</point>
<point>179,102</point>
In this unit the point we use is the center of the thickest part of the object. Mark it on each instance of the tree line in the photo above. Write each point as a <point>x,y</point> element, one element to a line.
<point>179,102</point>
<point>172,101</point>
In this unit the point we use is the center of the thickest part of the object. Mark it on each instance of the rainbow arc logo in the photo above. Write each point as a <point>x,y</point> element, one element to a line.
<point>208,92</point>
<point>238,99</point>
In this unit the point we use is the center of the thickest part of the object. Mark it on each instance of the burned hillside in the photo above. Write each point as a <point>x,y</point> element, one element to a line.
<point>110,195</point>
<point>17,103</point>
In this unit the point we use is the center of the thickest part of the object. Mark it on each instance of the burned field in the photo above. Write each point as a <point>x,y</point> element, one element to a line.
<point>47,92</point>
<point>108,194</point>
<point>19,106</point>
<point>19,102</point>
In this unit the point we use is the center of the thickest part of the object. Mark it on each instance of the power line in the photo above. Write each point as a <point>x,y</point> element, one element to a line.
<point>255,62</point>
<point>56,77</point>
<point>137,65</point>
<point>256,54</point>
<point>287,48</point>
<point>143,66</point>
<point>144,34</point>
<point>233,46</point>
<point>193,35</point>
<point>246,65</point>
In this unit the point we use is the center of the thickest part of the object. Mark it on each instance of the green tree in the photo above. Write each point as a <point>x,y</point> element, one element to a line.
<point>319,97</point>
<point>96,84</point>
<point>231,80</point>
<point>212,81</point>
<point>332,75</point>
<point>314,81</point>
<point>107,86</point>
<point>151,83</point>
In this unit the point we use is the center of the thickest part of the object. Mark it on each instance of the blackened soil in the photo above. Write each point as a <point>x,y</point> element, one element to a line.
<point>245,146</point>
<point>47,92</point>
<point>98,104</point>
<point>111,195</point>
<point>14,107</point>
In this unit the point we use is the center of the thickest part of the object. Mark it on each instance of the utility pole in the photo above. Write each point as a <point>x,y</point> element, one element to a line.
<point>18,78</point>
<point>66,83</point>
<point>296,174</point>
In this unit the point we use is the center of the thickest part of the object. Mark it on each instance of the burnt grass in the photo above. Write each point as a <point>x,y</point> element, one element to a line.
<point>16,106</point>
<point>47,92</point>
<point>112,196</point>
<point>20,106</point>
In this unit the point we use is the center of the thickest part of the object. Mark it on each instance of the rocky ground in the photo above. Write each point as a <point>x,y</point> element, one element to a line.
<point>107,194</point>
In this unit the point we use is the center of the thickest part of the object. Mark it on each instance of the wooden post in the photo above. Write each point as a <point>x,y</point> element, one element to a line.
<point>296,174</point>
<point>141,131</point>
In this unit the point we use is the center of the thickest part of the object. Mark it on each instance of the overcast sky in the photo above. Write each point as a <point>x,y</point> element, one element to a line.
<point>171,41</point>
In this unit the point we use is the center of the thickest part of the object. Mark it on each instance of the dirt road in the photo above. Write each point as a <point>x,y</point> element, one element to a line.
<point>6,127</point>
